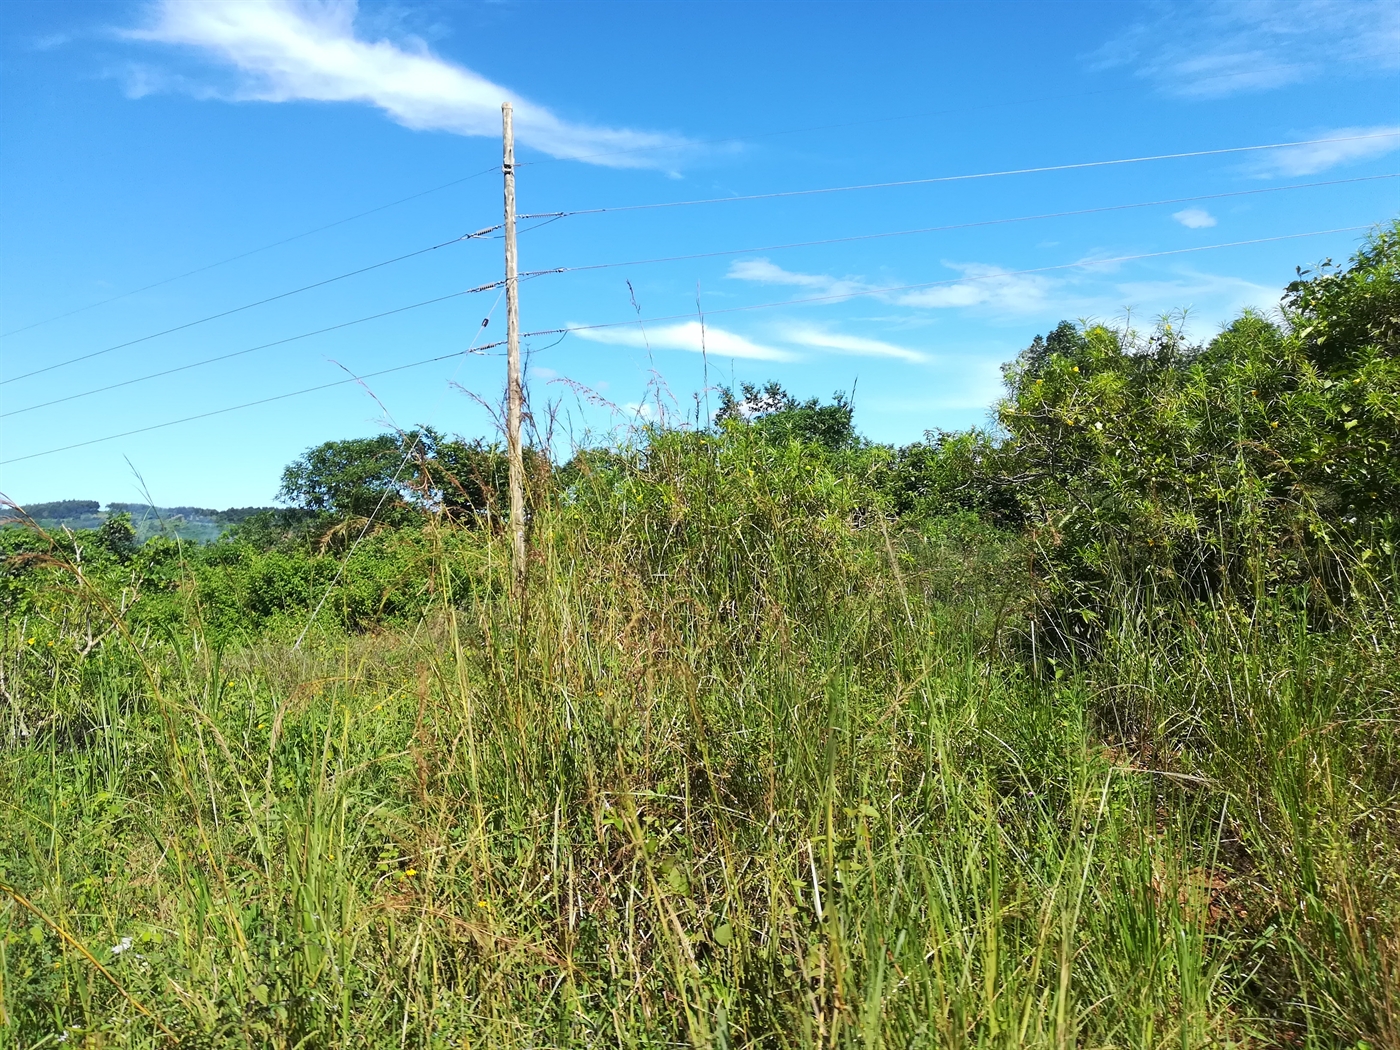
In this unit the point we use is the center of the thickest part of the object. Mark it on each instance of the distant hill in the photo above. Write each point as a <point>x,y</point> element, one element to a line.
<point>196,524</point>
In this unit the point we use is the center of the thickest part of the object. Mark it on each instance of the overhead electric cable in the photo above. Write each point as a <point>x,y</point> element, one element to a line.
<point>959,226</point>
<point>698,255</point>
<point>248,306</point>
<point>408,454</point>
<point>252,251</point>
<point>249,350</point>
<point>674,317</point>
<point>739,140</point>
<point>957,178</point>
<point>250,404</point>
<point>585,157</point>
<point>935,284</point>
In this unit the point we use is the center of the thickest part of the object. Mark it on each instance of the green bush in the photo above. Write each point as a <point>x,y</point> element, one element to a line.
<point>1261,462</point>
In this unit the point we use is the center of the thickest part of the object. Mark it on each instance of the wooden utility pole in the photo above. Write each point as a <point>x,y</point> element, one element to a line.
<point>514,393</point>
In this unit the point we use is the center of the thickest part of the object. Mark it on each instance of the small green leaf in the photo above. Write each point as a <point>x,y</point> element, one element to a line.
<point>675,876</point>
<point>724,935</point>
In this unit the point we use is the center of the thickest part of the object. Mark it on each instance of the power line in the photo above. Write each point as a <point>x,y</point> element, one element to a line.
<point>250,404</point>
<point>958,178</point>
<point>962,225</point>
<point>249,350</point>
<point>674,317</point>
<point>249,306</point>
<point>408,454</point>
<point>677,258</point>
<point>589,156</point>
<point>877,120</point>
<point>253,251</point>
<point>935,284</point>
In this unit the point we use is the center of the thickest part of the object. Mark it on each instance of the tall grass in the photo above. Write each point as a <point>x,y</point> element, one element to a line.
<point>755,767</point>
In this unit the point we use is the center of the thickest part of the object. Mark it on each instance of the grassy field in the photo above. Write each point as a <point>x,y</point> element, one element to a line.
<point>745,772</point>
<point>1080,732</point>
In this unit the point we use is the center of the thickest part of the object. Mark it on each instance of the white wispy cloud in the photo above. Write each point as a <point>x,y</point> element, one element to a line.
<point>988,286</point>
<point>1099,286</point>
<point>1227,47</point>
<point>761,271</point>
<point>687,336</point>
<point>1350,145</point>
<point>49,42</point>
<point>288,50</point>
<point>982,284</point>
<point>1211,299</point>
<point>1194,218</point>
<point>824,339</point>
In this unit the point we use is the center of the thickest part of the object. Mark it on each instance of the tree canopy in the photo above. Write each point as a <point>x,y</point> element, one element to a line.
<point>399,477</point>
<point>781,418</point>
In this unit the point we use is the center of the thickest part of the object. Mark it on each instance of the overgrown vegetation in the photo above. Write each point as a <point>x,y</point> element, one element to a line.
<point>1078,732</point>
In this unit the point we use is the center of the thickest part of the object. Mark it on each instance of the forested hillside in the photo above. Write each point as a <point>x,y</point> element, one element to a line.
<point>196,524</point>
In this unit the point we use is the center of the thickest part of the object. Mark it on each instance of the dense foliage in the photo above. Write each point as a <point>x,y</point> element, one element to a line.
<point>401,477</point>
<point>1265,460</point>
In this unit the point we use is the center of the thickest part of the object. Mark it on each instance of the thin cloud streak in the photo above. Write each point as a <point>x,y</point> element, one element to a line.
<point>822,339</point>
<point>687,336</point>
<point>1230,47</point>
<point>308,50</point>
<point>1320,156</point>
<point>987,285</point>
<point>1085,292</point>
<point>990,287</point>
<point>761,271</point>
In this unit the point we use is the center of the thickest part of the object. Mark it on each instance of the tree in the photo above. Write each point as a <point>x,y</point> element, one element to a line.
<point>1066,341</point>
<point>359,477</point>
<point>1346,322</point>
<point>1268,458</point>
<point>469,480</point>
<point>399,478</point>
<point>64,508</point>
<point>781,418</point>
<point>117,536</point>
<point>951,471</point>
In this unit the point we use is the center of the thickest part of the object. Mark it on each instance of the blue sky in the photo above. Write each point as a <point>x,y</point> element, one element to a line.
<point>147,140</point>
